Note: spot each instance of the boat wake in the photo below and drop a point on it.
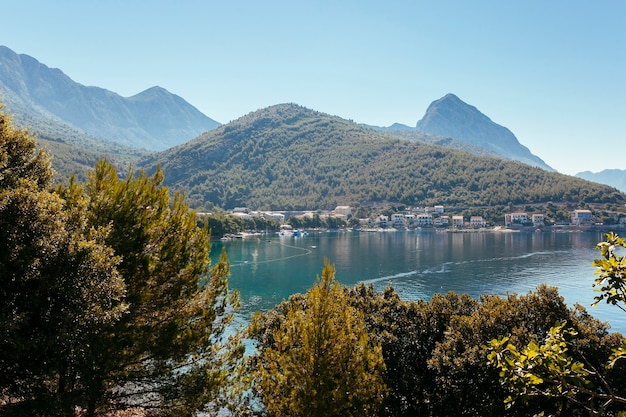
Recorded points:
(304, 252)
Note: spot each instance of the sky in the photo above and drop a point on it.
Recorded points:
(553, 72)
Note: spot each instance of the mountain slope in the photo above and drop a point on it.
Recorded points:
(613, 177)
(451, 117)
(289, 157)
(73, 152)
(153, 119)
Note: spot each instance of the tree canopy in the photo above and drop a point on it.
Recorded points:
(320, 361)
(107, 296)
(287, 157)
(560, 365)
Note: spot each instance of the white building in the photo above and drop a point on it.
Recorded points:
(515, 218)
(538, 219)
(397, 221)
(457, 221)
(582, 217)
(409, 219)
(477, 222)
(441, 221)
(279, 217)
(343, 211)
(424, 219)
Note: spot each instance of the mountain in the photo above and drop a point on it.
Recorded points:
(416, 136)
(613, 177)
(73, 151)
(451, 117)
(288, 157)
(154, 119)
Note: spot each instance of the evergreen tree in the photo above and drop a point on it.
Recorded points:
(169, 352)
(58, 284)
(107, 296)
(321, 361)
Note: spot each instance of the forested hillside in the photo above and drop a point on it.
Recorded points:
(290, 157)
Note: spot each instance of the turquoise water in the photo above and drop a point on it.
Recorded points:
(267, 269)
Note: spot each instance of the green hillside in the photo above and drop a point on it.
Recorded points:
(73, 152)
(289, 157)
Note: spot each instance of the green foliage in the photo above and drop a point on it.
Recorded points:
(178, 307)
(316, 222)
(286, 157)
(59, 285)
(539, 370)
(73, 152)
(316, 358)
(434, 351)
(409, 332)
(550, 370)
(107, 297)
(18, 159)
(611, 280)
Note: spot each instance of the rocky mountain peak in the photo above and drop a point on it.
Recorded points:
(452, 117)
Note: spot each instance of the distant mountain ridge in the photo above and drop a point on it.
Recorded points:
(613, 177)
(464, 127)
(288, 157)
(450, 116)
(154, 119)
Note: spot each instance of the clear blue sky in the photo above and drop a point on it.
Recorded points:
(554, 72)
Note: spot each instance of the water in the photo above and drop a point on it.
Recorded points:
(418, 264)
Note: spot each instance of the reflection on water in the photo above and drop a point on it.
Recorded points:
(419, 264)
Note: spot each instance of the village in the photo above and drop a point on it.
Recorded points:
(436, 218)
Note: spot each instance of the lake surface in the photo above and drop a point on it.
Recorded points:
(268, 269)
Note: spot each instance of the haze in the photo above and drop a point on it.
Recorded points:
(551, 72)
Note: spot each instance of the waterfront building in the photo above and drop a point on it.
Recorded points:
(458, 222)
(582, 218)
(518, 218)
(477, 222)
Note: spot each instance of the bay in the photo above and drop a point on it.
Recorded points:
(268, 269)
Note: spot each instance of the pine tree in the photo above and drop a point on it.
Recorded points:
(107, 296)
(169, 352)
(58, 284)
(321, 361)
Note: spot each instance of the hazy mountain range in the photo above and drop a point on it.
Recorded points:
(285, 155)
(154, 119)
(613, 177)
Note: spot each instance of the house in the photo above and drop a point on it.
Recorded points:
(343, 211)
(366, 222)
(382, 221)
(424, 220)
(477, 222)
(538, 220)
(515, 218)
(457, 221)
(410, 220)
(441, 221)
(582, 217)
(279, 217)
(397, 221)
